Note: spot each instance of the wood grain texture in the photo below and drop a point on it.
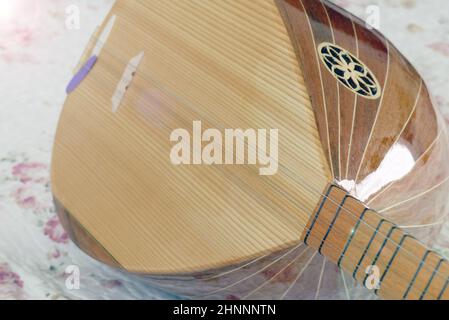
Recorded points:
(228, 64)
(391, 154)
(356, 238)
(358, 114)
(259, 65)
(82, 238)
(358, 132)
(392, 150)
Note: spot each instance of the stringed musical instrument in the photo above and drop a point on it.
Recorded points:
(358, 182)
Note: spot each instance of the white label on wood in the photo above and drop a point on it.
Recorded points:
(125, 81)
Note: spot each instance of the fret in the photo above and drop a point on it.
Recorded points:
(440, 296)
(333, 222)
(324, 217)
(422, 279)
(436, 287)
(359, 242)
(373, 247)
(342, 227)
(431, 279)
(356, 237)
(309, 228)
(353, 233)
(402, 272)
(421, 264)
(384, 244)
(390, 263)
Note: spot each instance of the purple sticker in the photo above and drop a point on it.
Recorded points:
(81, 75)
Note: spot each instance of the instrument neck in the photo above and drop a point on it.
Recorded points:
(375, 251)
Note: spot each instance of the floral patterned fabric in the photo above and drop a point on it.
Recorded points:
(37, 55)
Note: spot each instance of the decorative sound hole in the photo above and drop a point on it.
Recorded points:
(350, 71)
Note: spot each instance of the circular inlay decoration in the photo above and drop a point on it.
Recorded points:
(350, 71)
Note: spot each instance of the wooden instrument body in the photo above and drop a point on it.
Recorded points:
(241, 64)
(388, 152)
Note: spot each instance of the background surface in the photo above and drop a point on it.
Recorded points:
(37, 56)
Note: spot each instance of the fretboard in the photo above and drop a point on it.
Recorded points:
(375, 251)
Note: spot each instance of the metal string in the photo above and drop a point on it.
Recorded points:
(184, 102)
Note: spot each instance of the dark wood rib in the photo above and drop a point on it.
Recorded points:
(82, 238)
(427, 140)
(298, 23)
(403, 116)
(352, 35)
(427, 172)
(400, 96)
(322, 31)
(345, 36)
(374, 52)
(378, 123)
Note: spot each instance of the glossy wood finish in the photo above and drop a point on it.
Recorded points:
(389, 152)
(82, 238)
(356, 132)
(251, 64)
